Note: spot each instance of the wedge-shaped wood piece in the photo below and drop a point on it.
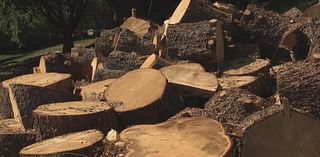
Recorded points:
(84, 143)
(154, 60)
(95, 91)
(195, 81)
(56, 81)
(251, 67)
(13, 138)
(25, 98)
(142, 96)
(192, 11)
(186, 137)
(139, 26)
(60, 118)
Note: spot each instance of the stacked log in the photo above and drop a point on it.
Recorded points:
(56, 119)
(83, 143)
(178, 137)
(95, 91)
(142, 96)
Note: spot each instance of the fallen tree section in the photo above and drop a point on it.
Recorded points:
(179, 137)
(55, 119)
(83, 143)
(25, 98)
(13, 138)
(142, 96)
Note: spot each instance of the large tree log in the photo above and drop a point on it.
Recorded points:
(120, 60)
(178, 137)
(25, 98)
(300, 83)
(13, 138)
(62, 82)
(55, 119)
(250, 67)
(197, 82)
(83, 143)
(95, 91)
(142, 96)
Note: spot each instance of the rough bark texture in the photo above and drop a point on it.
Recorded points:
(300, 83)
(95, 115)
(103, 74)
(81, 59)
(29, 98)
(120, 60)
(189, 41)
(127, 41)
(12, 139)
(5, 107)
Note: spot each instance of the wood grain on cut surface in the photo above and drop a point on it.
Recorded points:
(250, 67)
(81, 143)
(186, 137)
(95, 90)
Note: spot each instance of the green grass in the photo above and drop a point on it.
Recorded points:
(21, 63)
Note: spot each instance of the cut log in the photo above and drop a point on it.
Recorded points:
(56, 119)
(83, 143)
(5, 107)
(139, 26)
(120, 60)
(128, 42)
(187, 66)
(13, 138)
(313, 11)
(104, 74)
(95, 91)
(316, 56)
(251, 67)
(55, 62)
(154, 60)
(56, 81)
(300, 83)
(245, 82)
(197, 82)
(142, 96)
(25, 98)
(179, 137)
(189, 41)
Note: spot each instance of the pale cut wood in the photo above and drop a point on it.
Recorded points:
(194, 81)
(187, 66)
(36, 70)
(187, 137)
(25, 98)
(94, 66)
(139, 26)
(13, 138)
(95, 91)
(244, 82)
(152, 60)
(56, 81)
(84, 143)
(316, 56)
(142, 96)
(251, 67)
(55, 119)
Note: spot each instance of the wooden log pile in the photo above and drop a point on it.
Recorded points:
(211, 81)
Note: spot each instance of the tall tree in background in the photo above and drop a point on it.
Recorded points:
(65, 15)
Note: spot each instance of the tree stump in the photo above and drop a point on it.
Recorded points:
(197, 82)
(25, 98)
(56, 81)
(95, 91)
(142, 96)
(179, 137)
(55, 119)
(84, 143)
(13, 138)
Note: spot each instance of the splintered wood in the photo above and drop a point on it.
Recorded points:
(83, 143)
(186, 137)
(55, 119)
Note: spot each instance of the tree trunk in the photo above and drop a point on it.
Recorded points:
(67, 41)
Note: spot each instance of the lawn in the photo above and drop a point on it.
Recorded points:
(22, 63)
